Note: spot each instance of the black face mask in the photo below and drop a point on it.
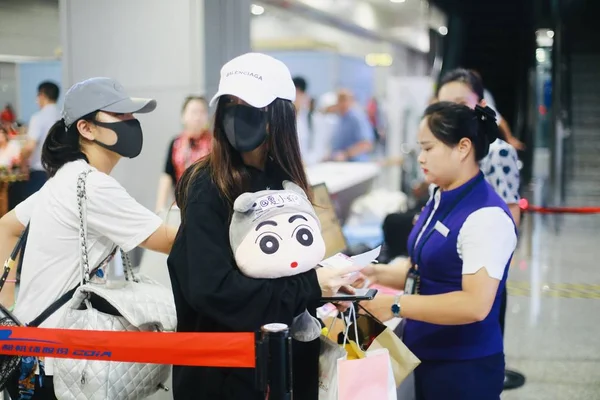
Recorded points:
(245, 127)
(129, 137)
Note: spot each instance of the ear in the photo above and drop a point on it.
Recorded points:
(86, 129)
(464, 147)
(289, 185)
(483, 103)
(244, 202)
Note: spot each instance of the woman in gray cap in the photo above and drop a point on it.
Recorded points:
(97, 129)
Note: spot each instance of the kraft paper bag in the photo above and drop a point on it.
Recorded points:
(374, 335)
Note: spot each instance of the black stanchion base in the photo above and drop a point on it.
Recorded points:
(513, 380)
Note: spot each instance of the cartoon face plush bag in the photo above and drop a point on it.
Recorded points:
(276, 234)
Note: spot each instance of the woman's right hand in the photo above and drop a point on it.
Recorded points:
(331, 279)
(368, 276)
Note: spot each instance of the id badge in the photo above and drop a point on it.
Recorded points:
(411, 285)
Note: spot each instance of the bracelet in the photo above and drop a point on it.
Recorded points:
(11, 281)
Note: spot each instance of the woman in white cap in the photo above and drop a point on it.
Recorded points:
(255, 147)
(97, 129)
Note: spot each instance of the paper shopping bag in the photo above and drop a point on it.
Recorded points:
(391, 385)
(370, 377)
(375, 335)
(331, 352)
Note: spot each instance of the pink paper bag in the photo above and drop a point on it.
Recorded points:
(367, 378)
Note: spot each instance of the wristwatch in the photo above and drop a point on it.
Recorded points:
(396, 307)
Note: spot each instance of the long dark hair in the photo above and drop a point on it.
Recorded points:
(226, 167)
(63, 145)
(450, 122)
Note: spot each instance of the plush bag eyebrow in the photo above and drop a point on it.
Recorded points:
(265, 223)
(295, 217)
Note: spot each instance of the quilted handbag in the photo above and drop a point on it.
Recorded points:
(139, 304)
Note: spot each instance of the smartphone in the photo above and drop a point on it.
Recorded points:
(358, 295)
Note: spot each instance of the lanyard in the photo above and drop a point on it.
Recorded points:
(413, 277)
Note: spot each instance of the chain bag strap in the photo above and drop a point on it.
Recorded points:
(128, 267)
(86, 273)
(84, 262)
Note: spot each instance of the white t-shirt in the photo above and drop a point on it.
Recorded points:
(51, 263)
(501, 170)
(38, 129)
(487, 239)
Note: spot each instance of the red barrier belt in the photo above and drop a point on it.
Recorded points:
(563, 210)
(193, 349)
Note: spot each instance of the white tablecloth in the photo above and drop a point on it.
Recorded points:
(339, 176)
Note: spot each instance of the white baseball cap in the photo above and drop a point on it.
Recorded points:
(256, 78)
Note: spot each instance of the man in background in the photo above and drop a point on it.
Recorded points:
(303, 123)
(353, 139)
(39, 125)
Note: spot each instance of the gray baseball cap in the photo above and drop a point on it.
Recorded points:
(101, 94)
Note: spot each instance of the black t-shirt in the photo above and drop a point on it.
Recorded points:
(212, 295)
(169, 167)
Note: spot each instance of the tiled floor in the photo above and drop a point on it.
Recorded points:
(552, 329)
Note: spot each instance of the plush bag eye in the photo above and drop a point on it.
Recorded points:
(304, 237)
(269, 244)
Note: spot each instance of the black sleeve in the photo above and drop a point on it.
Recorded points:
(212, 284)
(169, 167)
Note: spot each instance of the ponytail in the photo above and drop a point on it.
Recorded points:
(62, 145)
(450, 122)
(487, 131)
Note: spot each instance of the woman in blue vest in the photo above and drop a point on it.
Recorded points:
(460, 249)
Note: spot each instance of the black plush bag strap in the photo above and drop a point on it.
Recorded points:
(20, 262)
(18, 249)
(10, 263)
(52, 308)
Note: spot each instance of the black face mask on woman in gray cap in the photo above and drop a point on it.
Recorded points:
(129, 137)
(105, 94)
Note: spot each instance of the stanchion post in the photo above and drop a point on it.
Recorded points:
(276, 338)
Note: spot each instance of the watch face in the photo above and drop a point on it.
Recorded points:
(395, 309)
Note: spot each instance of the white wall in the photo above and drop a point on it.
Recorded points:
(8, 84)
(155, 49)
(29, 27)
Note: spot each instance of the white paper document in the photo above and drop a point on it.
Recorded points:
(359, 260)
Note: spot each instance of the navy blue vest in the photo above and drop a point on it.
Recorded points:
(440, 268)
